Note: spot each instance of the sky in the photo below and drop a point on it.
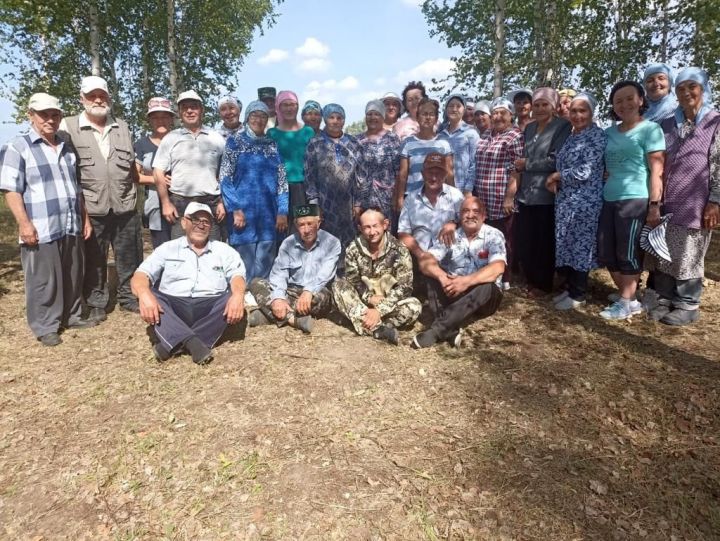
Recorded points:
(348, 52)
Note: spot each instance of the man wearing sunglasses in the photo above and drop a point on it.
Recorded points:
(190, 289)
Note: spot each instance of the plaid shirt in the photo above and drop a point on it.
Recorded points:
(48, 182)
(495, 160)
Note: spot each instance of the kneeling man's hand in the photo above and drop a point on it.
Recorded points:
(234, 309)
(150, 308)
(280, 309)
(302, 306)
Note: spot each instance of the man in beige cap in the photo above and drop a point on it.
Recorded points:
(193, 153)
(38, 178)
(108, 175)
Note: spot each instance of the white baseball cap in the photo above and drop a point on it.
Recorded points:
(194, 207)
(159, 104)
(188, 95)
(43, 102)
(93, 82)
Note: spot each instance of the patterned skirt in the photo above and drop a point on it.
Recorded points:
(687, 249)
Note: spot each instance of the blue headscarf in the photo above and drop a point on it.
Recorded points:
(659, 110)
(311, 105)
(700, 76)
(254, 107)
(331, 108)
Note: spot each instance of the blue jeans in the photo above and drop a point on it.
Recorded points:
(258, 259)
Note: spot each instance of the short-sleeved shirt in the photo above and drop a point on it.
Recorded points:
(415, 150)
(193, 159)
(466, 256)
(46, 179)
(186, 274)
(626, 160)
(423, 221)
(292, 145)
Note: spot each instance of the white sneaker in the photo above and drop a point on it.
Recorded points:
(568, 303)
(636, 307)
(557, 298)
(250, 300)
(622, 310)
(506, 286)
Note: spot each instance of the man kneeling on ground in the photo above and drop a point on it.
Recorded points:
(376, 292)
(464, 278)
(296, 290)
(201, 290)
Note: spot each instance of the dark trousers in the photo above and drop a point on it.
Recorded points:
(124, 233)
(449, 314)
(217, 231)
(159, 237)
(261, 290)
(506, 226)
(683, 294)
(576, 282)
(53, 284)
(185, 317)
(535, 244)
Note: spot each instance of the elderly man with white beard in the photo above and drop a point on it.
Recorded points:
(105, 157)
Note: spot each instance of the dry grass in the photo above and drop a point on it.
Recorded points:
(547, 426)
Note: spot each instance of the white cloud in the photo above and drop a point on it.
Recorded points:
(314, 65)
(348, 83)
(273, 56)
(438, 68)
(412, 3)
(313, 48)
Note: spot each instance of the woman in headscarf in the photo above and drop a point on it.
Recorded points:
(393, 109)
(416, 147)
(380, 161)
(332, 173)
(535, 220)
(229, 109)
(522, 102)
(578, 185)
(692, 197)
(463, 139)
(566, 96)
(482, 119)
(411, 96)
(160, 117)
(495, 175)
(658, 83)
(292, 139)
(312, 115)
(255, 193)
(634, 158)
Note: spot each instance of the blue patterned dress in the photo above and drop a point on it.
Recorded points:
(581, 164)
(333, 180)
(381, 162)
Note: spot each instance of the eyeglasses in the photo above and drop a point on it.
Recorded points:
(202, 223)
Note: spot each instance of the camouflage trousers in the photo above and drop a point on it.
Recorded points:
(349, 303)
(261, 290)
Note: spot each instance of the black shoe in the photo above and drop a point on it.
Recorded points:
(82, 324)
(680, 317)
(256, 318)
(97, 314)
(50, 339)
(387, 333)
(131, 307)
(161, 354)
(424, 339)
(304, 323)
(659, 312)
(201, 354)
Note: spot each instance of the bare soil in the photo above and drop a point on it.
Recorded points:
(545, 426)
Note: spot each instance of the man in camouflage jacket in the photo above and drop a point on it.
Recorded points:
(375, 294)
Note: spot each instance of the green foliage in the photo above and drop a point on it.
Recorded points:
(356, 128)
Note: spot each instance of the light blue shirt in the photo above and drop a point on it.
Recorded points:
(186, 274)
(415, 150)
(423, 221)
(310, 269)
(464, 142)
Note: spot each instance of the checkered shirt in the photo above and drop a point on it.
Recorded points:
(494, 161)
(47, 180)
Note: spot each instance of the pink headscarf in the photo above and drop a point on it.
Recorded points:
(284, 95)
(548, 94)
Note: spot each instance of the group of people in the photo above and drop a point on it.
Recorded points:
(278, 219)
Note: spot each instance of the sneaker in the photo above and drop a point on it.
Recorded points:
(201, 354)
(659, 312)
(557, 298)
(679, 317)
(388, 334)
(456, 339)
(568, 303)
(303, 323)
(97, 314)
(50, 339)
(636, 307)
(617, 310)
(424, 339)
(161, 354)
(506, 286)
(257, 318)
(250, 301)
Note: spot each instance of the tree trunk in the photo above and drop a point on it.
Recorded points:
(664, 32)
(171, 49)
(94, 38)
(500, 6)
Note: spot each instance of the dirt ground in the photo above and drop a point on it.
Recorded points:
(545, 426)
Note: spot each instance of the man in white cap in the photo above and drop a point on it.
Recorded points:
(39, 180)
(193, 153)
(106, 162)
(190, 289)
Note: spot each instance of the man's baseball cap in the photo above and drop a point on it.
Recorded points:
(93, 82)
(194, 207)
(43, 102)
(188, 95)
(434, 160)
(159, 104)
